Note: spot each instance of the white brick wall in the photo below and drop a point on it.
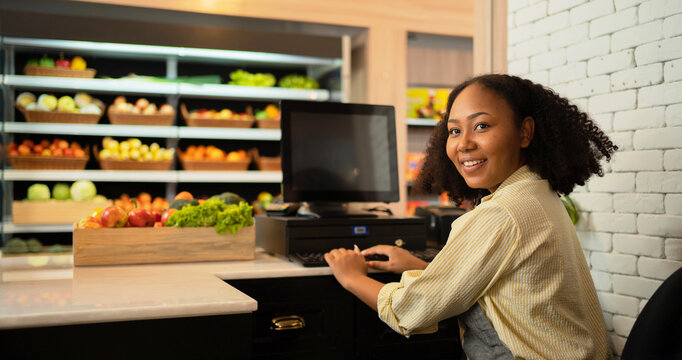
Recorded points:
(639, 119)
(620, 61)
(650, 246)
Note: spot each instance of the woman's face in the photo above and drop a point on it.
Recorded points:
(484, 142)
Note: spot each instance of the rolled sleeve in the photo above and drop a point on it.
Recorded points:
(476, 255)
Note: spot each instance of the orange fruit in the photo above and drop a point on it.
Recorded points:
(184, 195)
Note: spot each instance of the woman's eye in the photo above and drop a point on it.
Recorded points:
(482, 126)
(454, 131)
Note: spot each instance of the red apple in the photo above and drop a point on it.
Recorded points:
(114, 216)
(24, 149)
(167, 214)
(158, 224)
(140, 218)
(156, 214)
(38, 148)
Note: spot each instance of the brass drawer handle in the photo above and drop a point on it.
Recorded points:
(289, 322)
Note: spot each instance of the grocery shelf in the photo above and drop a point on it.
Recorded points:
(252, 176)
(146, 176)
(93, 175)
(92, 130)
(182, 132)
(10, 227)
(421, 122)
(116, 50)
(128, 86)
(190, 132)
(251, 92)
(131, 86)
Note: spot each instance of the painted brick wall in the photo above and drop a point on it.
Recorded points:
(620, 61)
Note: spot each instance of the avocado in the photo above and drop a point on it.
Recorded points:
(34, 245)
(229, 198)
(180, 203)
(15, 246)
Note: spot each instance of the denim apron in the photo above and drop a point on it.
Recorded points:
(479, 338)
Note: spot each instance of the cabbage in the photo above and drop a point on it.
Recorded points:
(38, 192)
(83, 190)
(61, 191)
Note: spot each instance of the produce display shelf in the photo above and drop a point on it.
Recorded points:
(130, 86)
(93, 175)
(11, 228)
(92, 130)
(249, 176)
(189, 132)
(127, 86)
(116, 50)
(421, 122)
(252, 176)
(251, 92)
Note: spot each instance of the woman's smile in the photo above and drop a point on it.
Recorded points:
(484, 141)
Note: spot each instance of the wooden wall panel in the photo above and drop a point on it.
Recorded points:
(438, 67)
(446, 17)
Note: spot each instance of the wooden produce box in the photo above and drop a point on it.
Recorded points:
(53, 211)
(119, 246)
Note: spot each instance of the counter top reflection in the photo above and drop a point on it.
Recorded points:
(38, 291)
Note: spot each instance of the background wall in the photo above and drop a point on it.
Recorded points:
(621, 61)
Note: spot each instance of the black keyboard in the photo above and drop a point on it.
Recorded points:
(317, 259)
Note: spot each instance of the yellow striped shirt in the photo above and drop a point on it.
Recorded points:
(516, 254)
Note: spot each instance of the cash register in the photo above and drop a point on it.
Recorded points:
(340, 160)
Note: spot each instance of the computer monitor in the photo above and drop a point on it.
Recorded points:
(337, 153)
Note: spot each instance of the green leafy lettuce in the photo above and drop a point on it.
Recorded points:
(214, 212)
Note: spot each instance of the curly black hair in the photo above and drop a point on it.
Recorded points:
(565, 150)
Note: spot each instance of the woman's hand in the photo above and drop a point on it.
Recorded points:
(346, 265)
(399, 259)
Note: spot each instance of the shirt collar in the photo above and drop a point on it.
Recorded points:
(521, 174)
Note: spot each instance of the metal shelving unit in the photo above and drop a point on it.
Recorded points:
(171, 89)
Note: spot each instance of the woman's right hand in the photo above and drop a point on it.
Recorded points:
(399, 259)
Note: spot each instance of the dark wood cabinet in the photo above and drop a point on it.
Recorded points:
(337, 325)
(203, 337)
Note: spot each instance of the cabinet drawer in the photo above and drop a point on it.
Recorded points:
(376, 340)
(323, 305)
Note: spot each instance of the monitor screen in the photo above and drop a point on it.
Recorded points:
(338, 153)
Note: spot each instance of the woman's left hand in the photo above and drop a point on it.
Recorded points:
(346, 265)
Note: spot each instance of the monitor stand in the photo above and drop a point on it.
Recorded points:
(335, 210)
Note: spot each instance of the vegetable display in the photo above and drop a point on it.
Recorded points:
(295, 81)
(214, 212)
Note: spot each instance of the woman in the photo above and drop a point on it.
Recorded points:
(512, 270)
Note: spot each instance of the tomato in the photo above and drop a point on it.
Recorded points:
(97, 213)
(184, 195)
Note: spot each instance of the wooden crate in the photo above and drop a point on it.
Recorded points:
(203, 122)
(119, 246)
(119, 118)
(53, 211)
(37, 162)
(36, 70)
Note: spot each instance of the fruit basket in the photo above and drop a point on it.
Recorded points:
(115, 164)
(38, 162)
(53, 211)
(119, 118)
(213, 165)
(36, 70)
(145, 245)
(266, 163)
(267, 124)
(58, 117)
(209, 122)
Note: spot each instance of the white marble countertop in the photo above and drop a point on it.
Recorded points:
(46, 290)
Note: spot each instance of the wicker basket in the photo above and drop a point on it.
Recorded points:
(58, 117)
(267, 124)
(36, 70)
(118, 118)
(200, 122)
(37, 162)
(213, 165)
(112, 164)
(266, 163)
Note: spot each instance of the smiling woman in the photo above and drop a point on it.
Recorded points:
(512, 270)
